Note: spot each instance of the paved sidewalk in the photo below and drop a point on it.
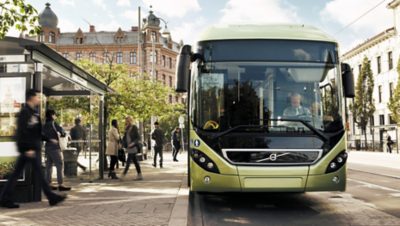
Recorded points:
(113, 202)
(375, 162)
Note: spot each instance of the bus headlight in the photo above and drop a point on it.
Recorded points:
(337, 162)
(204, 161)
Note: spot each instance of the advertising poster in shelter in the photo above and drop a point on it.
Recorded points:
(12, 97)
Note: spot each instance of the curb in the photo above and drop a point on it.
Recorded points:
(179, 215)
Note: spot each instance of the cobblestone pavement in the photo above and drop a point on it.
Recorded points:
(110, 202)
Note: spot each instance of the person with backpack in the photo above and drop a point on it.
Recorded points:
(389, 144)
(176, 143)
(158, 136)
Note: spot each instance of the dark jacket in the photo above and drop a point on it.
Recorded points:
(29, 130)
(77, 133)
(176, 139)
(134, 135)
(50, 133)
(158, 137)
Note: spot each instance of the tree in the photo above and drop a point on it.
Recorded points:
(138, 96)
(363, 107)
(394, 101)
(20, 15)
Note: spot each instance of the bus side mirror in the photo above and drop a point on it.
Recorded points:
(183, 69)
(348, 81)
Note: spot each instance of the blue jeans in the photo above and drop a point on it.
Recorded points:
(132, 158)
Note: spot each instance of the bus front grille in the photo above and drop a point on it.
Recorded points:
(272, 156)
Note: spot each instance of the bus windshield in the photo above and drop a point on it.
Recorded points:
(276, 95)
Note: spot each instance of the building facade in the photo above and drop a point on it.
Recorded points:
(149, 49)
(383, 52)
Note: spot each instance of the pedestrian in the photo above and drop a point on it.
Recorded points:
(131, 143)
(389, 144)
(52, 133)
(158, 136)
(78, 138)
(29, 142)
(113, 146)
(176, 143)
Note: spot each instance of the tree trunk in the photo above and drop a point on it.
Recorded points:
(365, 138)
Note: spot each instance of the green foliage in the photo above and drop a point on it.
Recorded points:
(168, 122)
(20, 15)
(7, 165)
(363, 107)
(394, 102)
(138, 96)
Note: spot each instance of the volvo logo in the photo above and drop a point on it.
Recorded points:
(273, 157)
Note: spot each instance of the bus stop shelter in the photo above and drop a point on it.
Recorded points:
(26, 64)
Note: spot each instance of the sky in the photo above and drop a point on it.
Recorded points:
(187, 18)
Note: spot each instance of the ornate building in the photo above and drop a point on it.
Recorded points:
(382, 50)
(150, 50)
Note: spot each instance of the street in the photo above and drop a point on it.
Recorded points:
(371, 198)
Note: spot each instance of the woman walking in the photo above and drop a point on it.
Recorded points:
(131, 142)
(52, 133)
(112, 147)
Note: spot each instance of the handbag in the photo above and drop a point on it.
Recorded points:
(121, 151)
(62, 141)
(121, 155)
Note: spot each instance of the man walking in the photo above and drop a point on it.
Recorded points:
(158, 137)
(389, 144)
(29, 142)
(176, 143)
(78, 137)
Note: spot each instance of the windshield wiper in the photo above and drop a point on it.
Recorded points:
(308, 125)
(304, 122)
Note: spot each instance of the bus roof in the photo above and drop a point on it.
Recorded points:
(273, 31)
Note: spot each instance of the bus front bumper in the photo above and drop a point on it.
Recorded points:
(274, 179)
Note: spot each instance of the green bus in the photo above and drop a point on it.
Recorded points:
(265, 109)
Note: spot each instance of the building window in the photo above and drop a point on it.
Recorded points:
(382, 120)
(41, 37)
(79, 40)
(133, 58)
(119, 58)
(65, 55)
(378, 63)
(105, 57)
(92, 56)
(391, 120)
(170, 62)
(380, 94)
(153, 57)
(163, 63)
(170, 81)
(78, 56)
(156, 74)
(390, 89)
(52, 37)
(176, 99)
(390, 60)
(164, 80)
(170, 99)
(153, 36)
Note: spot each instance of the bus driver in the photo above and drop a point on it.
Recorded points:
(295, 108)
